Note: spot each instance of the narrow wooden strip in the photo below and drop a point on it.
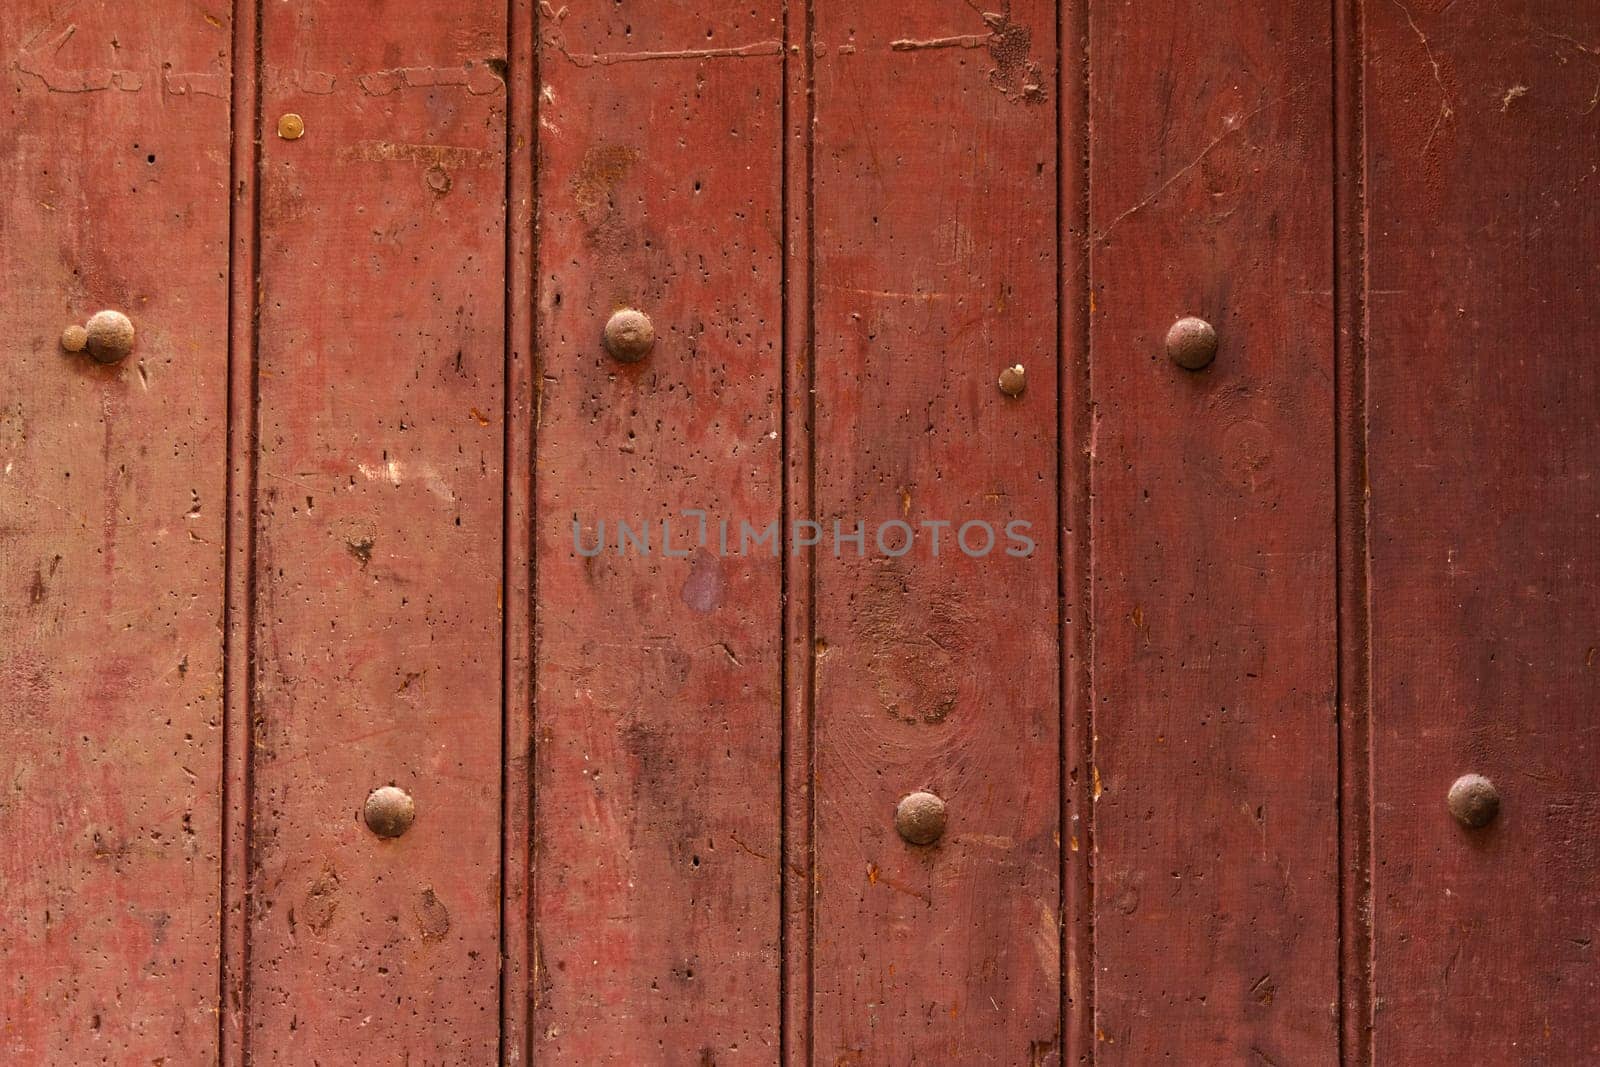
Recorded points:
(799, 374)
(1354, 624)
(1076, 437)
(239, 612)
(521, 397)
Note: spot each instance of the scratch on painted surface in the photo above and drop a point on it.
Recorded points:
(876, 876)
(602, 59)
(1010, 45)
(966, 40)
(1446, 112)
(1592, 53)
(288, 79)
(477, 78)
(436, 155)
(30, 61)
(1231, 125)
(197, 84)
(894, 294)
(557, 40)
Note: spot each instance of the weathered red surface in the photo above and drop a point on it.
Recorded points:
(378, 639)
(658, 715)
(1215, 827)
(935, 268)
(656, 793)
(1485, 510)
(113, 194)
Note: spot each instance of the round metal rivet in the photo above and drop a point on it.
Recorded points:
(1191, 343)
(1013, 381)
(629, 336)
(1474, 800)
(73, 338)
(291, 127)
(920, 818)
(389, 811)
(108, 336)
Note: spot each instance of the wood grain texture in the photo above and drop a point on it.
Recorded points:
(1214, 660)
(238, 669)
(113, 194)
(1075, 449)
(1195, 746)
(1350, 536)
(657, 776)
(521, 391)
(935, 215)
(1484, 379)
(799, 647)
(381, 366)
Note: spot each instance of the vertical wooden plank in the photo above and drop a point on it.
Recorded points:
(935, 183)
(114, 185)
(1484, 379)
(658, 676)
(1216, 897)
(381, 364)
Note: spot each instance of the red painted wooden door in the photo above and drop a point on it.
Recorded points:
(657, 533)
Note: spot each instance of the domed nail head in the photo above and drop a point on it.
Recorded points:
(1192, 343)
(1013, 380)
(108, 336)
(389, 811)
(629, 335)
(1474, 800)
(920, 818)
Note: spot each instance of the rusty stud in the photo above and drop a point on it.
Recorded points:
(73, 338)
(1474, 800)
(1013, 381)
(629, 336)
(1191, 343)
(920, 818)
(291, 127)
(389, 811)
(108, 336)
